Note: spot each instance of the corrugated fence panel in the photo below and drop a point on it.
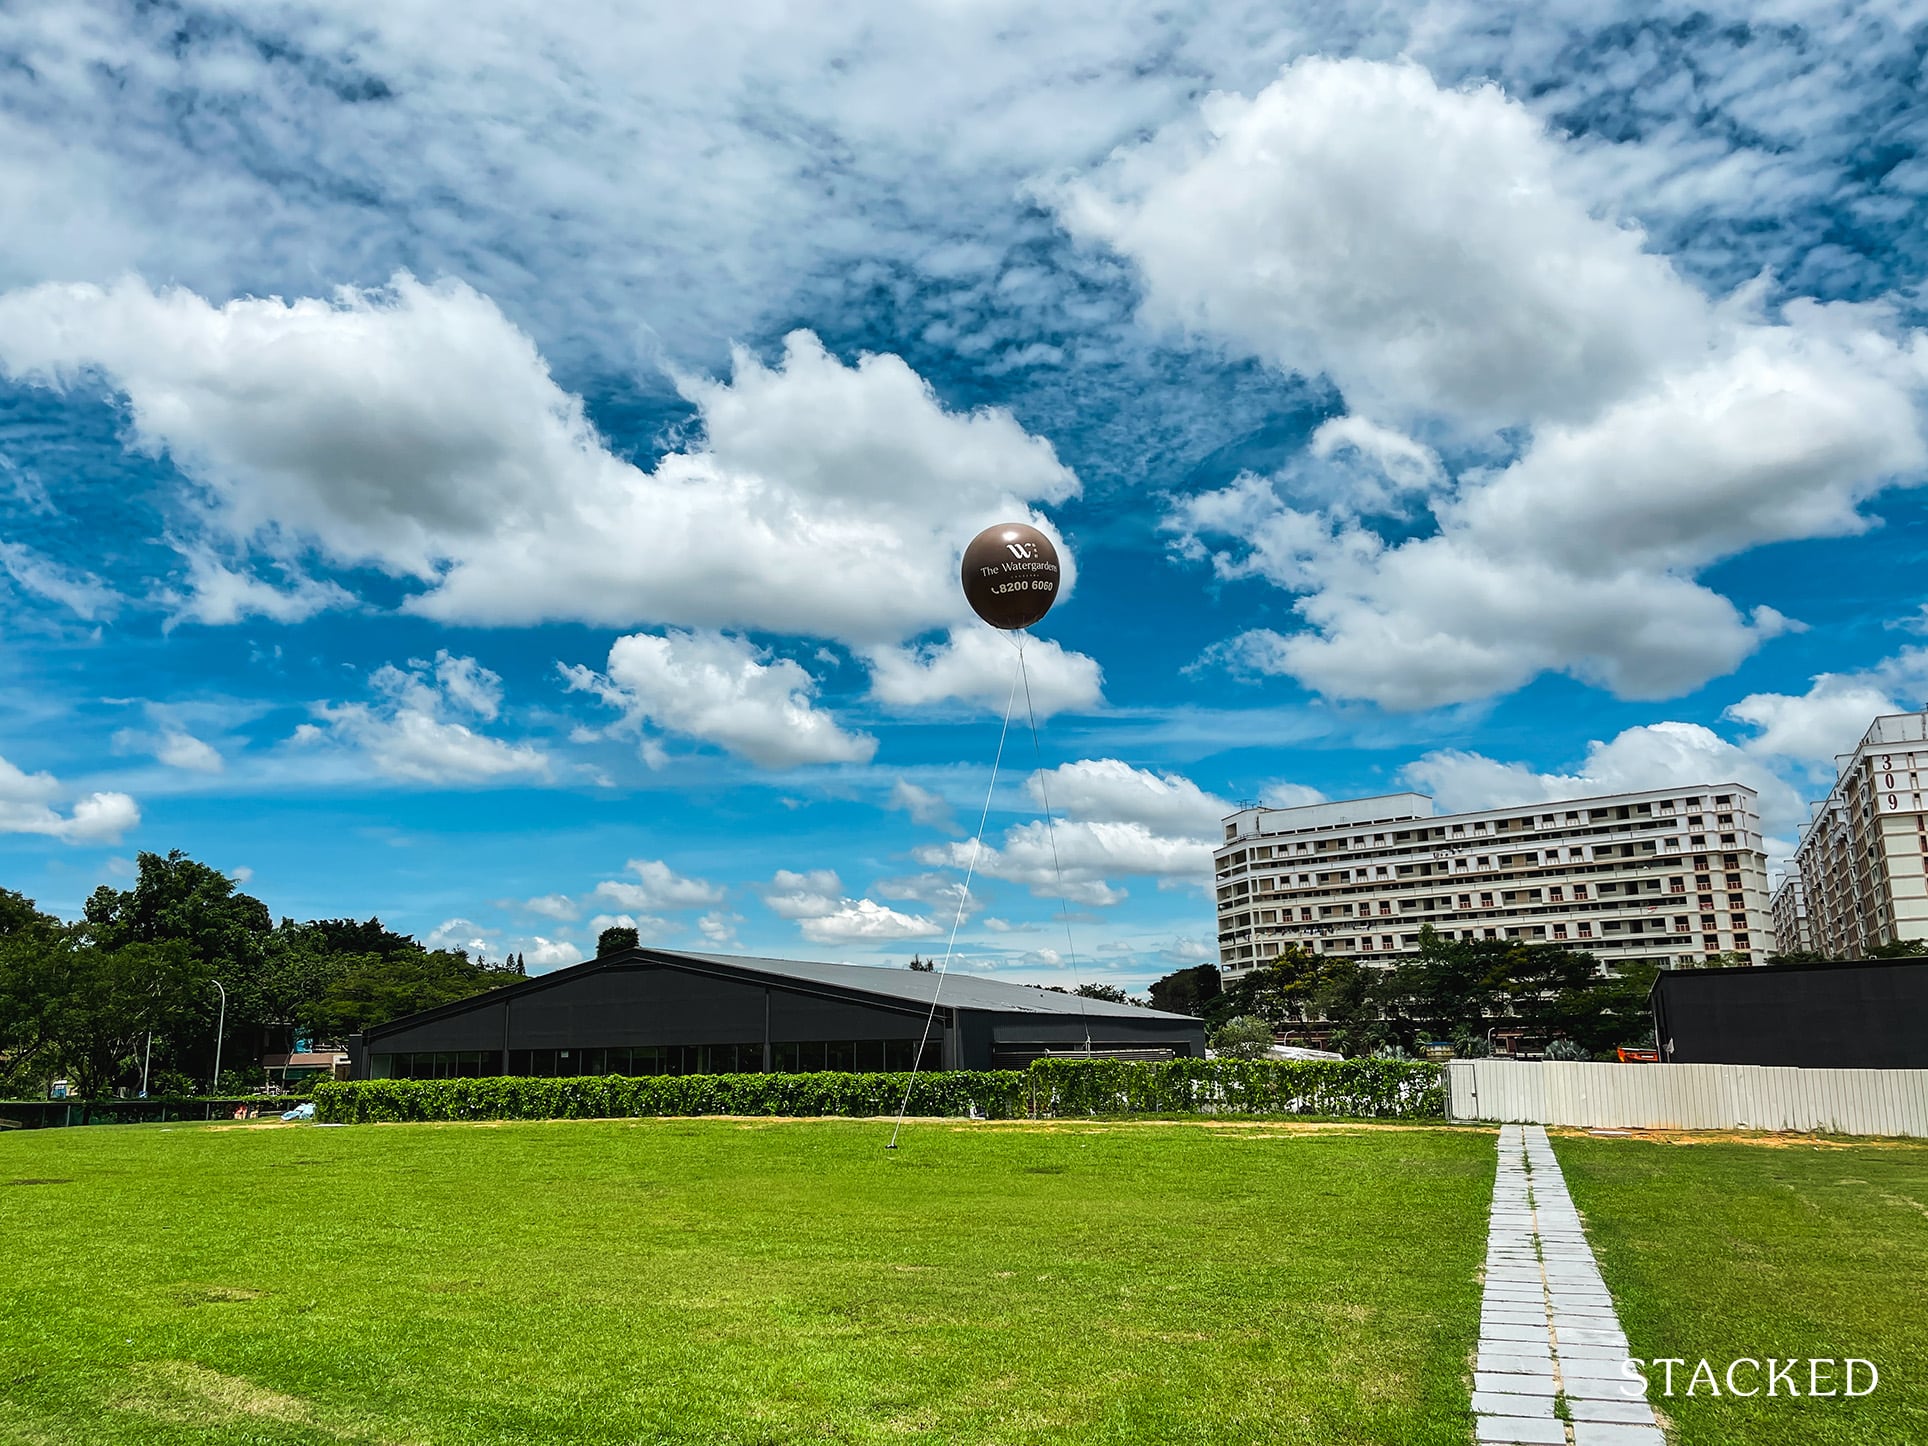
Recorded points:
(1690, 1096)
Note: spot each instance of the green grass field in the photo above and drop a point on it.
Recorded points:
(724, 1281)
(1723, 1250)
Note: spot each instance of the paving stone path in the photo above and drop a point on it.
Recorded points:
(1550, 1345)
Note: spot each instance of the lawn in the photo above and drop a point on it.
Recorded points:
(697, 1281)
(1722, 1250)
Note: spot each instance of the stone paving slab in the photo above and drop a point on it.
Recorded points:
(1511, 1403)
(1625, 1413)
(1600, 1433)
(1513, 1384)
(1534, 1430)
(1547, 1324)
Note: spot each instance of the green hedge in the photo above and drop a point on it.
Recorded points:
(1359, 1088)
(1002, 1095)
(1375, 1089)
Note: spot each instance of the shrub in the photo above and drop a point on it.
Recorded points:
(1372, 1089)
(1365, 1088)
(1002, 1094)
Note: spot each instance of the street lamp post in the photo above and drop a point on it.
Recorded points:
(220, 1028)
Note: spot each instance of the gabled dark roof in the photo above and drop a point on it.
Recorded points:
(903, 987)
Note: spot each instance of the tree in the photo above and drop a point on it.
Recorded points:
(1111, 993)
(178, 900)
(1344, 1000)
(921, 966)
(374, 989)
(1243, 1037)
(102, 1002)
(615, 939)
(1279, 991)
(1187, 991)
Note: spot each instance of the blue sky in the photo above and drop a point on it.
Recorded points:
(509, 476)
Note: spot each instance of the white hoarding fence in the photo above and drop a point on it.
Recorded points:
(1690, 1096)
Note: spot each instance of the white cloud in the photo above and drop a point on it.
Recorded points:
(82, 594)
(722, 690)
(1422, 246)
(816, 902)
(184, 750)
(416, 430)
(1833, 714)
(546, 954)
(979, 665)
(1117, 820)
(854, 920)
(29, 804)
(1081, 855)
(1459, 278)
(1112, 790)
(658, 887)
(559, 907)
(406, 736)
(459, 933)
(1282, 794)
(650, 929)
(218, 595)
(173, 746)
(794, 895)
(718, 928)
(923, 806)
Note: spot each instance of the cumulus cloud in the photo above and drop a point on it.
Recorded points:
(658, 886)
(923, 806)
(718, 928)
(1117, 820)
(1426, 249)
(407, 734)
(1419, 245)
(542, 955)
(978, 666)
(29, 803)
(816, 902)
(459, 933)
(559, 907)
(1108, 788)
(1835, 711)
(417, 431)
(650, 928)
(722, 690)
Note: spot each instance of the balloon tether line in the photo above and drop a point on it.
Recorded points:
(963, 902)
(1051, 833)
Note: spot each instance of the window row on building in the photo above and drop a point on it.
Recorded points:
(1671, 876)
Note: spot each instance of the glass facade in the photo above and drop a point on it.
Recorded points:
(858, 1056)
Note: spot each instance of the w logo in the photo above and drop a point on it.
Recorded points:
(1023, 550)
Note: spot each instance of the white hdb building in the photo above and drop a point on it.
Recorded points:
(1672, 876)
(1860, 875)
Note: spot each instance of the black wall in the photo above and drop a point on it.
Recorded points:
(632, 1004)
(1871, 1015)
(652, 1003)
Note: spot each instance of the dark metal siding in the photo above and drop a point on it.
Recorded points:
(1838, 1016)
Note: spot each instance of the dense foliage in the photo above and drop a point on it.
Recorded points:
(83, 999)
(1001, 1094)
(1449, 989)
(1372, 1089)
(1356, 1088)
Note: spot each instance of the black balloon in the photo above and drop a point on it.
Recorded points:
(1011, 575)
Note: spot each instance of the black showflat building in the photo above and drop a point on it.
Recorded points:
(659, 1011)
